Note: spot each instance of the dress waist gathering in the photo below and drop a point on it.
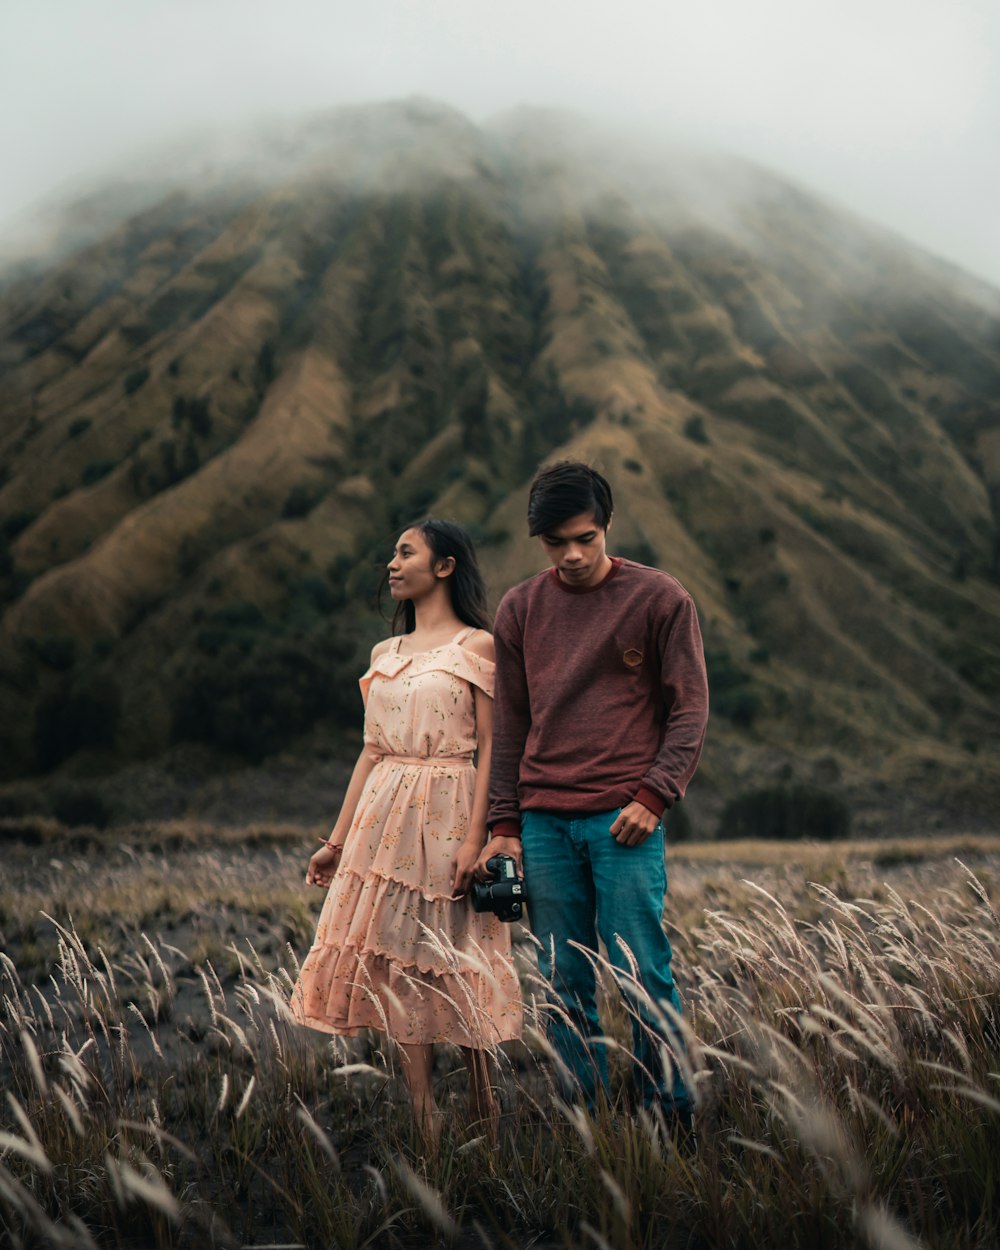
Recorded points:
(425, 760)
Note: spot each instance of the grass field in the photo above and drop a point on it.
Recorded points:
(843, 1015)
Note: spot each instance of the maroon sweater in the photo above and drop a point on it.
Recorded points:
(601, 695)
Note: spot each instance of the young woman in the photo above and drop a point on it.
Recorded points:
(398, 948)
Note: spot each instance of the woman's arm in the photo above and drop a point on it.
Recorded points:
(484, 756)
(467, 854)
(324, 862)
(365, 763)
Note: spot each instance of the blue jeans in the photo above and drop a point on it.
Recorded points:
(580, 883)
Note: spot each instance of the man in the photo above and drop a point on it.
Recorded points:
(600, 713)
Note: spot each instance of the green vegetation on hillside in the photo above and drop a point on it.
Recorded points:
(231, 402)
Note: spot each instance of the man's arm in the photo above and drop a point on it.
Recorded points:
(684, 683)
(511, 722)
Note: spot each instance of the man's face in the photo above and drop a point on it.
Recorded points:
(577, 550)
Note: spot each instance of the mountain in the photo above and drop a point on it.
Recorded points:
(216, 413)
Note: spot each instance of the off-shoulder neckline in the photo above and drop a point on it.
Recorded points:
(457, 641)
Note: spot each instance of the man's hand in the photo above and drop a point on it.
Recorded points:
(498, 846)
(634, 825)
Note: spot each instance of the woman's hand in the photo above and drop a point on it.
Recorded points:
(463, 864)
(323, 865)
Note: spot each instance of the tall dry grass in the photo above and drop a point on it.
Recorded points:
(845, 1046)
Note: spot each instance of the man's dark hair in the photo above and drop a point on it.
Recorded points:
(563, 490)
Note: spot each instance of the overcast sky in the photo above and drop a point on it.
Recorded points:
(891, 106)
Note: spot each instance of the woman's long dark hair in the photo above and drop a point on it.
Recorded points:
(468, 590)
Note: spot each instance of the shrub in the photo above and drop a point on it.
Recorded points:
(255, 706)
(785, 812)
(22, 801)
(240, 613)
(265, 365)
(58, 652)
(73, 718)
(235, 627)
(640, 551)
(80, 426)
(694, 429)
(20, 580)
(135, 379)
(300, 502)
(80, 805)
(678, 825)
(742, 705)
(730, 690)
(96, 470)
(310, 598)
(195, 412)
(17, 523)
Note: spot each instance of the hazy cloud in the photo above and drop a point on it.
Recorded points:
(889, 105)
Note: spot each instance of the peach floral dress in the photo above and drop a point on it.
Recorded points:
(394, 950)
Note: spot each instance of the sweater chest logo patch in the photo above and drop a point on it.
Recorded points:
(632, 657)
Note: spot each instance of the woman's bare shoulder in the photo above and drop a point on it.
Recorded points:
(381, 648)
(481, 643)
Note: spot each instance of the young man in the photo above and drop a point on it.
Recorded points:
(599, 718)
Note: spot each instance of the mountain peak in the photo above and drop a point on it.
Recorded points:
(214, 414)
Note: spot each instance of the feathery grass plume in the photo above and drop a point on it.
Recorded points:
(218, 984)
(758, 1147)
(245, 1099)
(358, 1069)
(29, 1146)
(34, 1062)
(160, 1136)
(598, 1238)
(659, 1020)
(168, 981)
(145, 1024)
(865, 1103)
(236, 1031)
(883, 1232)
(325, 1144)
(972, 1093)
(622, 1206)
(35, 1218)
(296, 966)
(577, 1116)
(427, 1198)
(921, 980)
(147, 1186)
(71, 1109)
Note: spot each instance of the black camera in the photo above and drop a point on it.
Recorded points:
(504, 895)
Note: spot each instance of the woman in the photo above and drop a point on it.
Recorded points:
(397, 948)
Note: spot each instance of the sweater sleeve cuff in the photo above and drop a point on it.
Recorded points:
(506, 829)
(650, 800)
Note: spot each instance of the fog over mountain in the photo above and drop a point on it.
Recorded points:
(892, 109)
(216, 414)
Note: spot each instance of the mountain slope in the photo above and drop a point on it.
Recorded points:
(214, 418)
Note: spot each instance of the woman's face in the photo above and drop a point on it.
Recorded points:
(412, 573)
